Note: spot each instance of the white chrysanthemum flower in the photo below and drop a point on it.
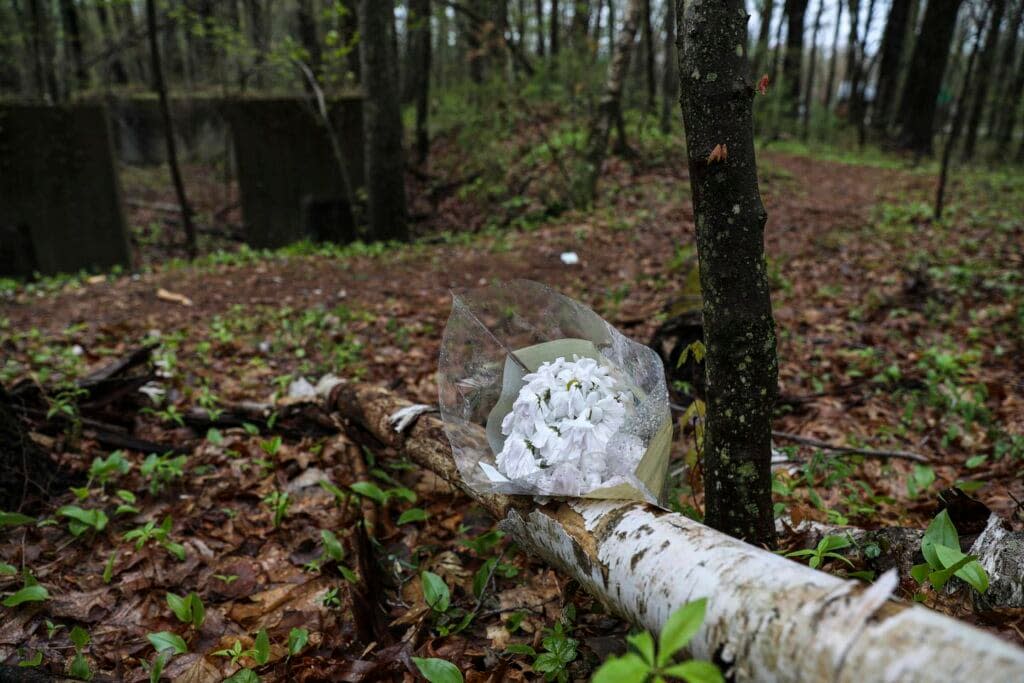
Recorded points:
(561, 423)
(515, 460)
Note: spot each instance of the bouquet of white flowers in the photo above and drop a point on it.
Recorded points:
(541, 396)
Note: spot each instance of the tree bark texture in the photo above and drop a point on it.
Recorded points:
(610, 107)
(650, 47)
(739, 330)
(891, 55)
(556, 20)
(382, 124)
(43, 50)
(768, 619)
(927, 66)
(986, 62)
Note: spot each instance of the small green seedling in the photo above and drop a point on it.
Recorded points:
(158, 534)
(944, 559)
(649, 662)
(188, 609)
(824, 551)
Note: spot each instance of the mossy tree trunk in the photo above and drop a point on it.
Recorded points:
(382, 124)
(741, 364)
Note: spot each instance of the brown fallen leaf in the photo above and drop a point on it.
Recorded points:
(173, 297)
(718, 154)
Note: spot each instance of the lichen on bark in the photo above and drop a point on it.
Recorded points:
(741, 364)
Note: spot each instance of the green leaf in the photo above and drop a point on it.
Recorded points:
(940, 532)
(15, 519)
(626, 669)
(644, 644)
(261, 654)
(34, 593)
(971, 571)
(975, 461)
(80, 668)
(7, 569)
(435, 591)
(830, 543)
(332, 546)
(156, 669)
(198, 611)
(371, 491)
(482, 575)
(95, 519)
(243, 676)
(919, 572)
(696, 671)
(79, 636)
(108, 568)
(412, 515)
(176, 549)
(681, 626)
(438, 670)
(35, 661)
(521, 649)
(180, 606)
(297, 639)
(165, 640)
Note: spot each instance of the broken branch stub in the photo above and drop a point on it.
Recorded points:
(768, 619)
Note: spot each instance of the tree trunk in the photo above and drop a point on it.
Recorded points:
(610, 108)
(611, 25)
(306, 20)
(670, 77)
(580, 27)
(556, 19)
(1012, 101)
(777, 53)
(889, 65)
(853, 60)
(114, 70)
(258, 36)
(768, 619)
(43, 50)
(986, 63)
(927, 66)
(830, 83)
(812, 68)
(165, 112)
(958, 120)
(652, 81)
(539, 12)
(863, 68)
(382, 124)
(73, 41)
(1003, 101)
(419, 75)
(124, 20)
(739, 330)
(763, 35)
(796, 11)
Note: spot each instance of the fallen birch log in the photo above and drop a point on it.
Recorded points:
(768, 619)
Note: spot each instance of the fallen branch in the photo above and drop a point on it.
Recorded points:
(769, 619)
(849, 450)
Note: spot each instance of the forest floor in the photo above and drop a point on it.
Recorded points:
(895, 332)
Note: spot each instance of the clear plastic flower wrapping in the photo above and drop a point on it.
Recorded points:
(600, 397)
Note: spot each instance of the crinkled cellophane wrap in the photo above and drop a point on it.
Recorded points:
(478, 382)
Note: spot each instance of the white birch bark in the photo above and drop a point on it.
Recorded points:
(768, 618)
